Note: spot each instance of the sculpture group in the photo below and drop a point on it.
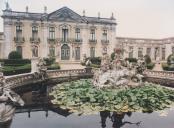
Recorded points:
(8, 100)
(118, 72)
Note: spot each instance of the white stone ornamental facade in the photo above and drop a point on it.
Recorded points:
(69, 37)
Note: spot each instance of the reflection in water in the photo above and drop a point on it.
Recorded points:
(117, 119)
(38, 101)
(6, 124)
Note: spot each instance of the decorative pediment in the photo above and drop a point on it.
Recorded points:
(66, 15)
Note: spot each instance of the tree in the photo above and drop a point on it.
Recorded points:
(14, 55)
(147, 59)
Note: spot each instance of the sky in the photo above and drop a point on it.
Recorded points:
(135, 18)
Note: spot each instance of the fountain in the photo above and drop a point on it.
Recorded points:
(8, 100)
(118, 72)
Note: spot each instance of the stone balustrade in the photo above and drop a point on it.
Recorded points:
(31, 78)
(159, 74)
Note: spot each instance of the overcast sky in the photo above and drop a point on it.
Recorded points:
(135, 18)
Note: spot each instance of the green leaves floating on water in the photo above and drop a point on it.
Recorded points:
(81, 97)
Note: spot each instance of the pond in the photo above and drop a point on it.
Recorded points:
(39, 113)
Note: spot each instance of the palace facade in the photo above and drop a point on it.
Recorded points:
(62, 34)
(157, 49)
(69, 37)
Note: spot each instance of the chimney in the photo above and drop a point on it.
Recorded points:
(83, 12)
(7, 7)
(112, 16)
(99, 15)
(26, 9)
(45, 9)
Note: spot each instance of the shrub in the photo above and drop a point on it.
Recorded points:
(95, 66)
(49, 61)
(113, 55)
(147, 59)
(95, 60)
(16, 62)
(14, 55)
(9, 70)
(150, 65)
(54, 66)
(170, 59)
(165, 66)
(131, 60)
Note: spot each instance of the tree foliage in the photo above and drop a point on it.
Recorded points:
(14, 55)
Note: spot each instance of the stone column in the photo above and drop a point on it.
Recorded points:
(44, 48)
(8, 42)
(34, 62)
(152, 53)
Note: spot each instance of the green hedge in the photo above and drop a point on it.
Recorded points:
(12, 70)
(15, 62)
(167, 67)
(150, 65)
(131, 60)
(53, 66)
(14, 55)
(113, 55)
(95, 66)
(49, 61)
(95, 60)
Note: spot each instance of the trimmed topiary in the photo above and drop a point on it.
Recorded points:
(14, 55)
(147, 59)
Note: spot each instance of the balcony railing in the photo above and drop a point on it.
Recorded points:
(19, 39)
(51, 40)
(78, 40)
(105, 41)
(92, 41)
(35, 40)
(69, 40)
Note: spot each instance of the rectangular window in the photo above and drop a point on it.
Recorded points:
(34, 32)
(77, 34)
(51, 33)
(140, 52)
(131, 52)
(52, 51)
(65, 34)
(148, 51)
(105, 35)
(92, 51)
(92, 34)
(18, 31)
(163, 53)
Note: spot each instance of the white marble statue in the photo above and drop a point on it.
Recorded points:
(8, 99)
(115, 73)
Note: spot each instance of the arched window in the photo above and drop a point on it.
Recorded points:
(65, 52)
(19, 49)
